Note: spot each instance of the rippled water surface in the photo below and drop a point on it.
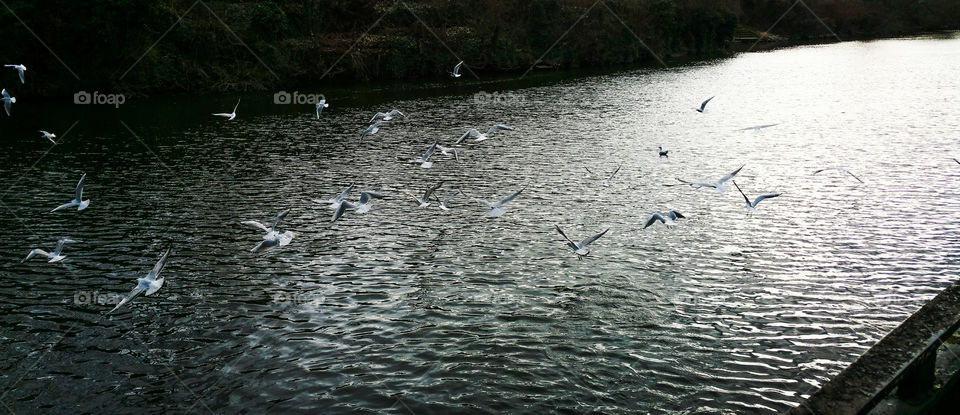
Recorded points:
(424, 311)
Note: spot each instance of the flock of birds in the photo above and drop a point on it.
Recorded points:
(273, 237)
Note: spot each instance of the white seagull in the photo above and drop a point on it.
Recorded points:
(320, 106)
(77, 198)
(752, 206)
(272, 237)
(423, 161)
(456, 70)
(362, 206)
(606, 182)
(373, 129)
(424, 200)
(229, 116)
(334, 202)
(448, 151)
(149, 284)
(839, 170)
(718, 185)
(20, 69)
(580, 248)
(669, 220)
(477, 136)
(387, 116)
(496, 208)
(703, 106)
(7, 100)
(663, 153)
(54, 256)
(49, 136)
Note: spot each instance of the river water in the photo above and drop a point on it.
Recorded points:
(409, 310)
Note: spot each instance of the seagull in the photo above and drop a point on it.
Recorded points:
(272, 238)
(20, 69)
(448, 151)
(362, 206)
(703, 106)
(149, 284)
(580, 248)
(717, 185)
(670, 220)
(7, 100)
(476, 136)
(77, 198)
(373, 129)
(606, 182)
(423, 160)
(839, 170)
(456, 70)
(231, 115)
(424, 201)
(757, 128)
(496, 209)
(443, 203)
(52, 256)
(49, 136)
(663, 153)
(320, 106)
(752, 206)
(387, 116)
(335, 201)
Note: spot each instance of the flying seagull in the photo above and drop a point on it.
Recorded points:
(320, 106)
(839, 170)
(229, 116)
(20, 69)
(149, 284)
(670, 220)
(752, 206)
(496, 208)
(387, 116)
(580, 248)
(423, 161)
(476, 136)
(757, 128)
(77, 198)
(717, 185)
(456, 70)
(448, 151)
(54, 256)
(7, 101)
(49, 136)
(272, 237)
(703, 106)
(663, 153)
(424, 200)
(334, 202)
(362, 206)
(373, 129)
(606, 182)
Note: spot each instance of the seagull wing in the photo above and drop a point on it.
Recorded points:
(133, 294)
(341, 208)
(742, 194)
(855, 177)
(589, 171)
(509, 198)
(615, 171)
(34, 253)
(653, 219)
(155, 272)
(430, 151)
(377, 115)
(472, 133)
(764, 197)
(569, 241)
(730, 176)
(426, 195)
(590, 240)
(499, 127)
(78, 193)
(456, 69)
(255, 224)
(703, 106)
(279, 218)
(236, 106)
(20, 70)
